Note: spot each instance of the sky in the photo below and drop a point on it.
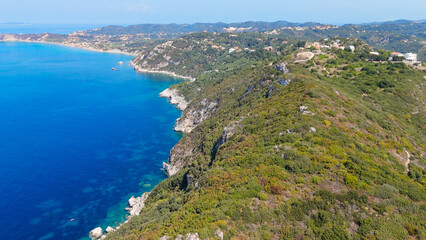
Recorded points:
(125, 12)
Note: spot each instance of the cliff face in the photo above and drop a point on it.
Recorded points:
(175, 98)
(195, 114)
(192, 115)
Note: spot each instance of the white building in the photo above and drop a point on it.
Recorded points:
(411, 57)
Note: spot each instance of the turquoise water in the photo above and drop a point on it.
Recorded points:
(76, 139)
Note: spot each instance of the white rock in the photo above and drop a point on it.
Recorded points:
(96, 233)
(132, 201)
(312, 129)
(192, 236)
(219, 234)
(175, 98)
(195, 115)
(170, 169)
(302, 108)
(136, 204)
(109, 229)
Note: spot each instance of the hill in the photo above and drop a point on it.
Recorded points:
(401, 36)
(173, 29)
(281, 143)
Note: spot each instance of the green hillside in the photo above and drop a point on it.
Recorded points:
(332, 149)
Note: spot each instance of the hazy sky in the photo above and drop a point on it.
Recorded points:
(190, 11)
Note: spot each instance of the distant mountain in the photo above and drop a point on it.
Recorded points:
(399, 21)
(249, 26)
(14, 23)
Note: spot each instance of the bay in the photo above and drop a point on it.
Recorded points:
(76, 139)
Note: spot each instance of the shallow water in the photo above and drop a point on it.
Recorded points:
(76, 139)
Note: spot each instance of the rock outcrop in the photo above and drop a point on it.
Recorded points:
(170, 169)
(109, 229)
(189, 236)
(180, 156)
(136, 204)
(175, 98)
(96, 233)
(219, 234)
(228, 132)
(282, 67)
(194, 115)
(192, 236)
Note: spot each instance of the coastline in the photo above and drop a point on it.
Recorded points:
(136, 204)
(115, 51)
(172, 74)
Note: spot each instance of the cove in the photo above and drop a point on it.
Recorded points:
(76, 139)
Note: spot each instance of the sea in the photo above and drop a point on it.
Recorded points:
(77, 139)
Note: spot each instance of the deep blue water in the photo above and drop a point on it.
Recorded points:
(76, 139)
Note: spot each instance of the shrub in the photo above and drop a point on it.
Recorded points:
(351, 180)
(263, 196)
(335, 233)
(316, 179)
(366, 226)
(385, 191)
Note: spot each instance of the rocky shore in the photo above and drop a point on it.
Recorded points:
(136, 204)
(175, 98)
(172, 74)
(135, 207)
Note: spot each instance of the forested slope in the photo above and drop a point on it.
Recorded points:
(327, 148)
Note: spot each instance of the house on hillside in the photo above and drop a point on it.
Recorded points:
(268, 49)
(411, 57)
(397, 54)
